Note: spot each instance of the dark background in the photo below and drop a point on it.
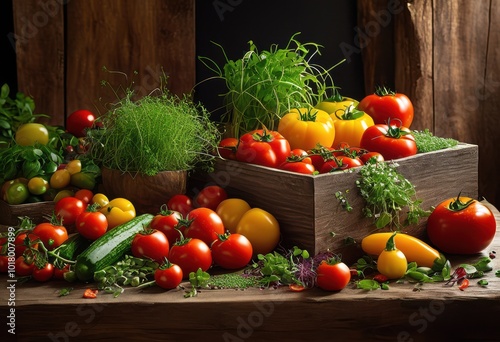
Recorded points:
(328, 23)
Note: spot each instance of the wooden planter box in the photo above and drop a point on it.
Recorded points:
(310, 215)
(9, 214)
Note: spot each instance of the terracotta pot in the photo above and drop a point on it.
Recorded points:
(147, 193)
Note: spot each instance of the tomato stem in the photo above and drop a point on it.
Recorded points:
(458, 205)
(384, 91)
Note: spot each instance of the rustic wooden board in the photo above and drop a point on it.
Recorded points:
(308, 211)
(39, 33)
(435, 313)
(37, 212)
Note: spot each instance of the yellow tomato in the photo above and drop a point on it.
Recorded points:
(31, 133)
(350, 124)
(63, 193)
(100, 199)
(305, 128)
(74, 166)
(261, 228)
(230, 211)
(336, 104)
(38, 185)
(118, 211)
(60, 179)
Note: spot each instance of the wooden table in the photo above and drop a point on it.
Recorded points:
(435, 313)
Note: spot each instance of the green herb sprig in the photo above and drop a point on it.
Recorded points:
(427, 142)
(387, 193)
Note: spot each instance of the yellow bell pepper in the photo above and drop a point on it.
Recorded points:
(118, 211)
(305, 128)
(350, 126)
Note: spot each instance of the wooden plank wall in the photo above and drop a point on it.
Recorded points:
(444, 55)
(63, 49)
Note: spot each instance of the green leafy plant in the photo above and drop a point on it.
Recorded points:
(427, 142)
(262, 86)
(158, 132)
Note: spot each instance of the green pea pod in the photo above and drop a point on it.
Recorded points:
(419, 276)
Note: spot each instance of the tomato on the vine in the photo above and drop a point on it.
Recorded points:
(166, 221)
(365, 157)
(52, 234)
(232, 251)
(320, 155)
(203, 224)
(91, 224)
(151, 244)
(23, 266)
(390, 140)
(43, 274)
(68, 209)
(385, 104)
(461, 225)
(180, 203)
(263, 147)
(59, 272)
(298, 161)
(210, 197)
(332, 275)
(190, 254)
(22, 240)
(340, 163)
(168, 276)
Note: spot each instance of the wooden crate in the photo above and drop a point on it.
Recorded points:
(309, 212)
(9, 214)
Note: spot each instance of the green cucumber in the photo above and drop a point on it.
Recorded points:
(70, 248)
(109, 248)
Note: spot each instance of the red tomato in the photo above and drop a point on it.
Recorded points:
(68, 209)
(84, 195)
(298, 167)
(23, 268)
(299, 154)
(51, 234)
(151, 244)
(59, 272)
(181, 203)
(43, 274)
(232, 251)
(227, 148)
(210, 197)
(91, 224)
(20, 244)
(168, 276)
(4, 263)
(340, 163)
(369, 155)
(332, 275)
(461, 225)
(320, 155)
(392, 142)
(203, 224)
(190, 255)
(166, 222)
(79, 121)
(385, 104)
(263, 147)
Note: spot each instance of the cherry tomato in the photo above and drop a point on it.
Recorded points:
(261, 228)
(340, 163)
(43, 274)
(385, 104)
(461, 225)
(210, 197)
(392, 141)
(298, 161)
(369, 155)
(38, 185)
(320, 155)
(17, 193)
(166, 222)
(20, 243)
(232, 251)
(190, 255)
(51, 234)
(227, 148)
(59, 272)
(23, 268)
(79, 121)
(60, 179)
(100, 199)
(151, 244)
(332, 275)
(299, 154)
(84, 195)
(230, 211)
(203, 224)
(68, 209)
(91, 224)
(63, 193)
(168, 276)
(74, 166)
(181, 203)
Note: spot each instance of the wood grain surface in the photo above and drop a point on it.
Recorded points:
(436, 312)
